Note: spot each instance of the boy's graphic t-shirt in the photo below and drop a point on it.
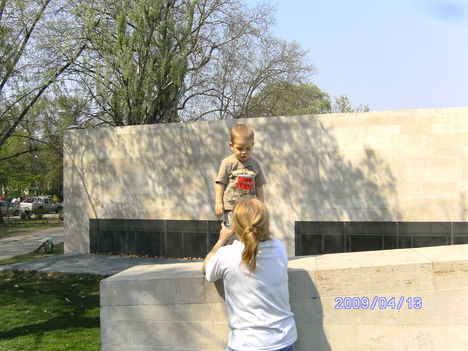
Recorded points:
(240, 178)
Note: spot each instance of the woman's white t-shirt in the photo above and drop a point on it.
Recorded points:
(259, 313)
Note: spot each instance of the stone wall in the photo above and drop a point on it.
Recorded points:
(375, 166)
(416, 301)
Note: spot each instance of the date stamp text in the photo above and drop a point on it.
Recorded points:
(378, 302)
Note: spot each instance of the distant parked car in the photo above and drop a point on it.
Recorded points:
(44, 203)
(8, 209)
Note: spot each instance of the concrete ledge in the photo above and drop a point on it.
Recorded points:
(172, 307)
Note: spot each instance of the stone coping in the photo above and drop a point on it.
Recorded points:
(348, 274)
(349, 260)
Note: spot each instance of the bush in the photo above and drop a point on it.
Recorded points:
(25, 214)
(38, 212)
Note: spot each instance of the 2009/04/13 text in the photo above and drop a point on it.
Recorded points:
(378, 302)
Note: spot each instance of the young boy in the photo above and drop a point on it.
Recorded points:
(239, 174)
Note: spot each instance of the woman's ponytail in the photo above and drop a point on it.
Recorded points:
(251, 223)
(249, 254)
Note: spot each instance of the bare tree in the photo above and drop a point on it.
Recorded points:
(247, 59)
(32, 57)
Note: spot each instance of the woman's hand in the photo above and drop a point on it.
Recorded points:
(225, 234)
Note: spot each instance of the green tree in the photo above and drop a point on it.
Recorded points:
(283, 99)
(137, 60)
(21, 172)
(342, 104)
(33, 155)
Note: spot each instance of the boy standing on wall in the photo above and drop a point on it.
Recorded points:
(239, 174)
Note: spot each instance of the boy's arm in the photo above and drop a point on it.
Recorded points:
(259, 192)
(219, 204)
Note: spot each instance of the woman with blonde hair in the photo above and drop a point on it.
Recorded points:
(255, 274)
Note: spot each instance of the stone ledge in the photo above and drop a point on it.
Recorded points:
(162, 307)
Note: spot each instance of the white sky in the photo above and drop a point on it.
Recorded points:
(389, 54)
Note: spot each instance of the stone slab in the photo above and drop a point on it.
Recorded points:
(172, 307)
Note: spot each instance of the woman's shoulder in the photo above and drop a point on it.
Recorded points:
(236, 246)
(274, 244)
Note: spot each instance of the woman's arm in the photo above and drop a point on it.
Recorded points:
(224, 235)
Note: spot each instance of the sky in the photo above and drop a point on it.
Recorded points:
(388, 54)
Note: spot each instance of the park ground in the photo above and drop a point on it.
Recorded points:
(46, 311)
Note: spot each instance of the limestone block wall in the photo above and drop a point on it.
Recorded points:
(172, 307)
(374, 166)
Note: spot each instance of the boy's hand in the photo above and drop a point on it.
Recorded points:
(219, 209)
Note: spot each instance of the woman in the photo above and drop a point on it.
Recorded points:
(255, 273)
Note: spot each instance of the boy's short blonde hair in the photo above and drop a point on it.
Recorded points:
(242, 131)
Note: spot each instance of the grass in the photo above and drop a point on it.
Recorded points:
(16, 226)
(49, 311)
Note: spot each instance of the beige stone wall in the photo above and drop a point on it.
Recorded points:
(172, 307)
(376, 166)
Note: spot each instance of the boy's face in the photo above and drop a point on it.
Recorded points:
(242, 148)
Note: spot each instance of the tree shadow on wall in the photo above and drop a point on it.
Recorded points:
(332, 187)
(176, 166)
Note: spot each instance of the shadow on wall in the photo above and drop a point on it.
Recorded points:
(308, 312)
(167, 172)
(79, 191)
(318, 180)
(152, 174)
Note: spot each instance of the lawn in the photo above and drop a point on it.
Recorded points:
(48, 311)
(17, 226)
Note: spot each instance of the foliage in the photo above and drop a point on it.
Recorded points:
(38, 213)
(37, 166)
(284, 98)
(19, 173)
(135, 66)
(342, 104)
